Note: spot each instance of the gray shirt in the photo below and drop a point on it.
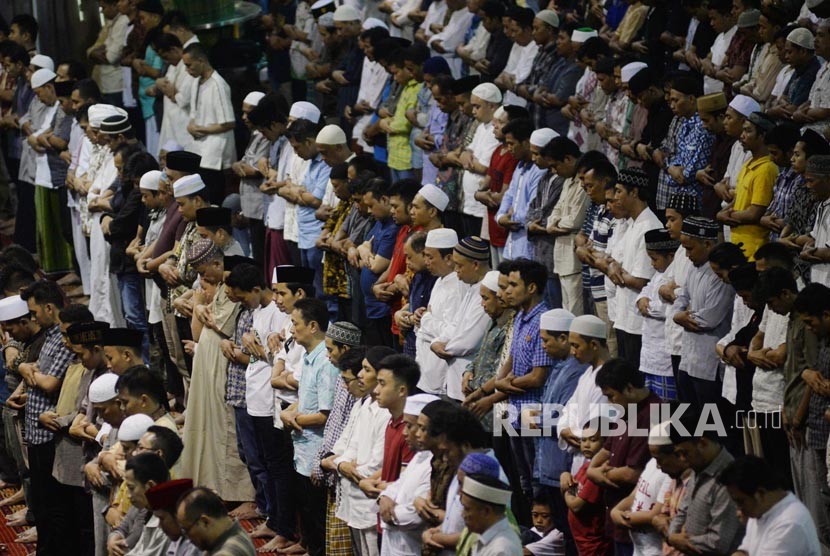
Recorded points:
(253, 200)
(498, 540)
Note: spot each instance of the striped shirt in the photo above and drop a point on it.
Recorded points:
(235, 388)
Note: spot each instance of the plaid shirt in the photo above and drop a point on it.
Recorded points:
(818, 429)
(235, 388)
(789, 192)
(692, 153)
(587, 226)
(527, 352)
(53, 361)
(341, 408)
(601, 232)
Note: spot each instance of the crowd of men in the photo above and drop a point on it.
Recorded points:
(433, 285)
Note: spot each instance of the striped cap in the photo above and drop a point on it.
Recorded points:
(474, 247)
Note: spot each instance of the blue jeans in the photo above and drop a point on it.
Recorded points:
(398, 175)
(553, 292)
(131, 288)
(246, 443)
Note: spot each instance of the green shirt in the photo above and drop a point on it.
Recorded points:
(400, 151)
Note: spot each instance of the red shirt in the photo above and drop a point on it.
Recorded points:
(396, 452)
(588, 526)
(500, 172)
(171, 230)
(397, 265)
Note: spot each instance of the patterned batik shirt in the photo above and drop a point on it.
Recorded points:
(235, 388)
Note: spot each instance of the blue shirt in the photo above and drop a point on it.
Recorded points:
(527, 353)
(315, 394)
(384, 233)
(551, 460)
(154, 61)
(420, 291)
(520, 193)
(435, 126)
(315, 183)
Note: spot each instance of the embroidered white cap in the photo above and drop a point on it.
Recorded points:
(434, 196)
(556, 320)
(188, 185)
(102, 388)
(442, 238)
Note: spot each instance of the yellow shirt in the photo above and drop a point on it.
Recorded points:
(754, 187)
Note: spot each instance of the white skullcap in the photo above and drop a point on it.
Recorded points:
(658, 435)
(630, 70)
(12, 308)
(442, 238)
(589, 326)
(188, 185)
(150, 180)
(41, 77)
(580, 35)
(303, 110)
(500, 112)
(434, 196)
(103, 389)
(488, 93)
(41, 61)
(541, 137)
(134, 427)
(415, 403)
(171, 146)
(326, 20)
(486, 493)
(331, 135)
(346, 13)
(99, 112)
(803, 38)
(556, 320)
(491, 280)
(744, 105)
(373, 22)
(253, 98)
(274, 276)
(550, 17)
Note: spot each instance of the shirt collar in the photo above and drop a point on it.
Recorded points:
(537, 309)
(311, 356)
(718, 464)
(499, 527)
(778, 508)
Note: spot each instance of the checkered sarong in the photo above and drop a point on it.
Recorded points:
(338, 537)
(663, 386)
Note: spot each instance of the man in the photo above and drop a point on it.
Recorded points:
(759, 494)
(147, 66)
(485, 500)
(427, 208)
(23, 30)
(814, 112)
(633, 270)
(175, 89)
(308, 416)
(524, 50)
(211, 120)
(203, 519)
(753, 193)
(122, 349)
(161, 500)
(214, 223)
(43, 380)
(475, 159)
(707, 520)
(800, 53)
(143, 472)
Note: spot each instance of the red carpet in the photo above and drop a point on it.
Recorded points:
(8, 534)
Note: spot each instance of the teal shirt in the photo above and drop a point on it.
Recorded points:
(153, 60)
(315, 394)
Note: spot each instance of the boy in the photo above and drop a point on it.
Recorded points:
(655, 359)
(543, 538)
(420, 289)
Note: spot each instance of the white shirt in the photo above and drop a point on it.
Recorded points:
(451, 37)
(519, 64)
(435, 14)
(781, 81)
(577, 410)
(654, 357)
(635, 261)
(718, 51)
(677, 271)
(210, 103)
(404, 538)
(740, 318)
(768, 385)
(498, 540)
(111, 77)
(820, 273)
(786, 528)
(177, 111)
(651, 489)
(296, 170)
(616, 243)
(259, 396)
(361, 441)
(552, 544)
(275, 205)
(293, 360)
(444, 303)
(483, 145)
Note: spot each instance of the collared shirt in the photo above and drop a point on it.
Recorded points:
(517, 198)
(694, 147)
(568, 213)
(755, 183)
(786, 528)
(798, 88)
(768, 384)
(548, 194)
(485, 364)
(789, 192)
(235, 387)
(709, 301)
(527, 352)
(707, 512)
(396, 452)
(315, 182)
(636, 262)
(498, 540)
(115, 33)
(315, 394)
(818, 428)
(655, 359)
(53, 361)
(383, 235)
(762, 79)
(820, 272)
(210, 103)
(601, 231)
(482, 147)
(233, 542)
(152, 541)
(253, 200)
(400, 151)
(802, 352)
(436, 123)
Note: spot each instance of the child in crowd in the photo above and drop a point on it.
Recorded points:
(544, 539)
(420, 289)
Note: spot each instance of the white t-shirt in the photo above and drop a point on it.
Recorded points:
(259, 396)
(210, 104)
(483, 145)
(635, 261)
(786, 528)
(768, 385)
(651, 489)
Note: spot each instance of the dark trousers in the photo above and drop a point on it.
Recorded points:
(215, 183)
(249, 453)
(24, 223)
(277, 454)
(629, 346)
(675, 368)
(183, 326)
(257, 229)
(470, 225)
(294, 251)
(311, 503)
(698, 391)
(378, 332)
(175, 384)
(51, 502)
(524, 453)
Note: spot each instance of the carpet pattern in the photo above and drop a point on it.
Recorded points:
(8, 534)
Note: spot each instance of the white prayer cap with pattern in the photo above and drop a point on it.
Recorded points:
(442, 238)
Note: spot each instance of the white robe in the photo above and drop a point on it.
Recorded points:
(404, 538)
(176, 112)
(443, 306)
(578, 411)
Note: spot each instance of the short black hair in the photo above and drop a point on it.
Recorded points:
(619, 373)
(813, 300)
(246, 277)
(76, 69)
(16, 53)
(308, 289)
(593, 48)
(404, 369)
(88, 90)
(465, 428)
(168, 442)
(197, 50)
(139, 164)
(147, 467)
(200, 501)
(784, 136)
(560, 147)
(27, 24)
(520, 129)
(139, 380)
(302, 130)
(376, 354)
(163, 42)
(417, 241)
(377, 187)
(43, 292)
(272, 108)
(749, 474)
(515, 112)
(590, 160)
(19, 255)
(352, 360)
(313, 310)
(406, 189)
(531, 272)
(175, 19)
(777, 254)
(523, 16)
(76, 313)
(727, 255)
(14, 278)
(774, 282)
